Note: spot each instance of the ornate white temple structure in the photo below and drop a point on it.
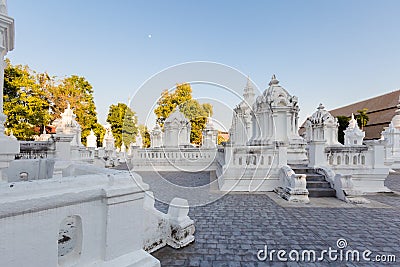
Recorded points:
(156, 137)
(171, 150)
(67, 125)
(177, 130)
(91, 140)
(242, 129)
(353, 135)
(275, 119)
(209, 135)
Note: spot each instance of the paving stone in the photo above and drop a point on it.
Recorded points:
(231, 230)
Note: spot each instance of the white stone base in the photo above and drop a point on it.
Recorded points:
(367, 180)
(291, 196)
(248, 180)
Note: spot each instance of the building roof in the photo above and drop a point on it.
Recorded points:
(381, 110)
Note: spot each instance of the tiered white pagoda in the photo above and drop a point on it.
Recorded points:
(156, 137)
(241, 129)
(91, 140)
(108, 140)
(209, 135)
(177, 130)
(353, 135)
(275, 119)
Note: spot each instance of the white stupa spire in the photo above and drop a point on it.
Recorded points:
(248, 94)
(3, 7)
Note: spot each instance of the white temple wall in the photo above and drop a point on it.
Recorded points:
(249, 168)
(107, 214)
(173, 159)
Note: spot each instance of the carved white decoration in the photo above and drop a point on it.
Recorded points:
(91, 140)
(322, 126)
(241, 128)
(210, 134)
(156, 137)
(353, 136)
(177, 130)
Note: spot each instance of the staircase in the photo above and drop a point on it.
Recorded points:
(317, 186)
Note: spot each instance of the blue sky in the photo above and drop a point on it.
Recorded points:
(334, 52)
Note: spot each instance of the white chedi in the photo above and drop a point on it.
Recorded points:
(275, 116)
(209, 135)
(322, 126)
(177, 130)
(156, 137)
(3, 7)
(44, 136)
(139, 140)
(353, 135)
(91, 140)
(108, 140)
(241, 128)
(67, 125)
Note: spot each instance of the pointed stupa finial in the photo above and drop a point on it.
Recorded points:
(273, 81)
(248, 93)
(352, 123)
(3, 7)
(12, 135)
(248, 83)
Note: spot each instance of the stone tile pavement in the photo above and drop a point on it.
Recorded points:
(231, 230)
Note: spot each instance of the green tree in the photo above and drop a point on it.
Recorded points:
(362, 118)
(197, 114)
(26, 104)
(168, 101)
(194, 111)
(78, 92)
(145, 135)
(123, 124)
(343, 123)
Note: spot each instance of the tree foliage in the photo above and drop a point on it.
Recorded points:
(197, 114)
(33, 100)
(145, 135)
(78, 92)
(26, 105)
(343, 124)
(123, 124)
(362, 118)
(194, 111)
(168, 101)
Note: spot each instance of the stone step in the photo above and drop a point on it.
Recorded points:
(321, 192)
(315, 177)
(303, 170)
(318, 184)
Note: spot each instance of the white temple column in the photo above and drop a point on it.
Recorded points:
(9, 146)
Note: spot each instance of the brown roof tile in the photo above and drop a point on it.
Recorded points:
(381, 110)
